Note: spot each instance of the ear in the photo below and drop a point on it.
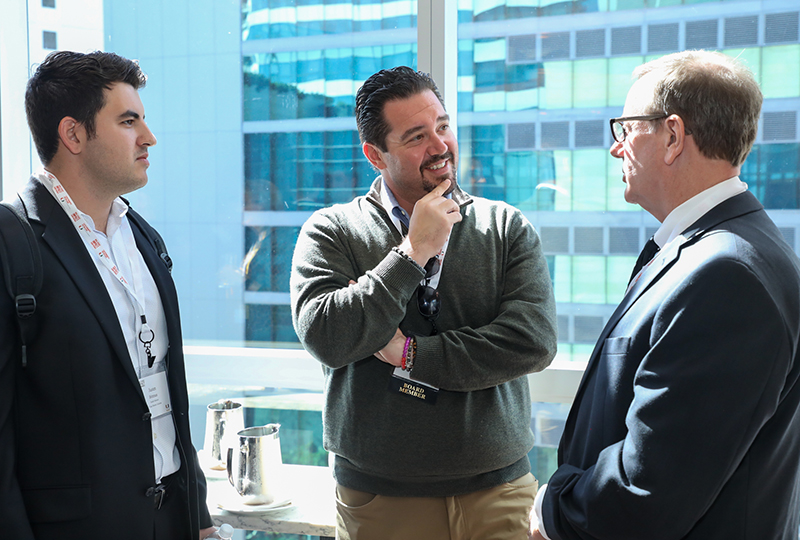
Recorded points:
(676, 138)
(374, 155)
(72, 135)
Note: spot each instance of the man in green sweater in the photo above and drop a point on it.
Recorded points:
(427, 308)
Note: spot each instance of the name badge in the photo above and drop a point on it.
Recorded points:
(156, 393)
(401, 382)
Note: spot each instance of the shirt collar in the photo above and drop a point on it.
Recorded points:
(118, 212)
(115, 216)
(390, 204)
(690, 211)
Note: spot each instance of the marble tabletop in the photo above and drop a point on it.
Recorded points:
(309, 494)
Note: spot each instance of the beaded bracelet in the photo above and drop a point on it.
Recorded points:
(408, 362)
(405, 354)
(407, 257)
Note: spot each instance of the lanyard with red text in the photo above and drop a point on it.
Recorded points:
(146, 334)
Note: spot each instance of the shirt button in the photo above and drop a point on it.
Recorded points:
(146, 416)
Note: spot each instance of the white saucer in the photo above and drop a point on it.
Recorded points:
(206, 465)
(237, 506)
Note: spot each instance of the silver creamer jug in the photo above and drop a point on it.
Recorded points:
(255, 463)
(224, 419)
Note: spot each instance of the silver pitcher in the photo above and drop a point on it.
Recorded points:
(224, 419)
(255, 463)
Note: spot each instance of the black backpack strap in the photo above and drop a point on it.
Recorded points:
(22, 268)
(152, 236)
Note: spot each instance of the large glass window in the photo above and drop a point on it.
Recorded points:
(562, 76)
(252, 102)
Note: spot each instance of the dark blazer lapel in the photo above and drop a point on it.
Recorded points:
(734, 207)
(62, 238)
(649, 275)
(176, 373)
(737, 206)
(163, 280)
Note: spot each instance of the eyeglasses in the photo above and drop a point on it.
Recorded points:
(428, 301)
(618, 129)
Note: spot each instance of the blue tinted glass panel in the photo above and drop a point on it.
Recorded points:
(311, 171)
(270, 19)
(313, 84)
(487, 166)
(260, 193)
(779, 175)
(304, 171)
(269, 323)
(268, 258)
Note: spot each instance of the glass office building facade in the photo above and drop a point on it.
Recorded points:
(537, 81)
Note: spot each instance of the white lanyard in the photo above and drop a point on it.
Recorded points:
(146, 334)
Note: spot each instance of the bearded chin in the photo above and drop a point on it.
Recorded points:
(429, 186)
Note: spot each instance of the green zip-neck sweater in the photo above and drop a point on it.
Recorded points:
(497, 324)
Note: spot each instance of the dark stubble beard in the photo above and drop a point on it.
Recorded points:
(429, 186)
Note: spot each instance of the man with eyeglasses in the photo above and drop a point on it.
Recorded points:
(686, 423)
(427, 308)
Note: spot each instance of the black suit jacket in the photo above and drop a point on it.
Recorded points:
(686, 423)
(76, 451)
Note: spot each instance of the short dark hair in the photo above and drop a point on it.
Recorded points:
(72, 84)
(716, 96)
(387, 85)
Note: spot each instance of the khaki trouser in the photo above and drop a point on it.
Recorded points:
(500, 513)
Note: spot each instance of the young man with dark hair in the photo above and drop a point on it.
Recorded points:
(94, 433)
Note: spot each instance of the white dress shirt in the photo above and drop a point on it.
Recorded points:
(687, 213)
(118, 236)
(115, 241)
